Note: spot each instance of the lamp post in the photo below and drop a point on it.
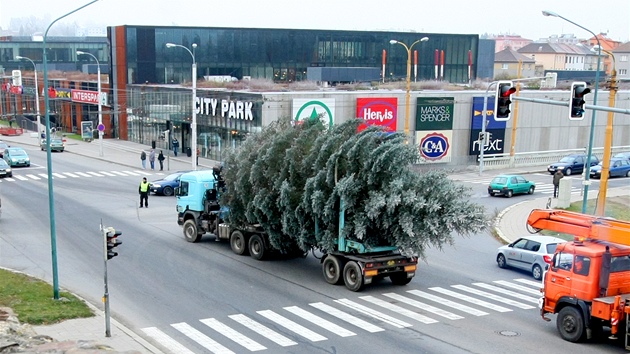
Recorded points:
(39, 123)
(51, 200)
(100, 109)
(587, 168)
(407, 96)
(193, 144)
(603, 182)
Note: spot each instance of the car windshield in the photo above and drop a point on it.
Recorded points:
(18, 152)
(172, 177)
(567, 159)
(56, 141)
(3, 146)
(3, 164)
(499, 180)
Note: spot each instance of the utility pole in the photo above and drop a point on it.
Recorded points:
(603, 184)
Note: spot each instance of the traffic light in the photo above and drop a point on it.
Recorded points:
(111, 241)
(502, 101)
(576, 105)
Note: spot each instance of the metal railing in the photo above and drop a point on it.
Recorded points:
(537, 158)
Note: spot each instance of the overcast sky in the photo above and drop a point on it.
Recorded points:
(446, 16)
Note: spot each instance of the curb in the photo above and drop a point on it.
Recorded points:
(499, 218)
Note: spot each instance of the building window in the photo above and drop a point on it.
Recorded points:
(623, 71)
(505, 66)
(623, 58)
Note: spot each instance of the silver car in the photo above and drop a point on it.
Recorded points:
(529, 253)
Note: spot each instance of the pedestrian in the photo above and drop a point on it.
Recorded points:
(10, 123)
(175, 146)
(152, 159)
(197, 156)
(144, 192)
(556, 182)
(143, 158)
(161, 160)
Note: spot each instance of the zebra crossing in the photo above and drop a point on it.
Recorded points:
(78, 174)
(267, 329)
(541, 187)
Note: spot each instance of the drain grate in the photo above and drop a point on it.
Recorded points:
(508, 333)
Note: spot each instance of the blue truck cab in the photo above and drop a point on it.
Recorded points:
(192, 190)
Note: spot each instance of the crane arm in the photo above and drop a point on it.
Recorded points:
(581, 225)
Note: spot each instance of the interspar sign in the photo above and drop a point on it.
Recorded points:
(84, 96)
(380, 111)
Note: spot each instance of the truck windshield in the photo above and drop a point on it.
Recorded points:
(183, 189)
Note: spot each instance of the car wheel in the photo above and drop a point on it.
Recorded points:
(567, 172)
(501, 262)
(509, 193)
(167, 191)
(10, 174)
(537, 272)
(628, 174)
(492, 193)
(531, 190)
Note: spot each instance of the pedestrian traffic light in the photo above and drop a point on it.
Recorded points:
(576, 104)
(502, 101)
(111, 241)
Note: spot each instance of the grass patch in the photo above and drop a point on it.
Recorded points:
(32, 300)
(617, 208)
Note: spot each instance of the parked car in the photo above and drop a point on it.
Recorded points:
(166, 185)
(619, 167)
(572, 164)
(3, 147)
(5, 169)
(508, 185)
(529, 253)
(56, 144)
(623, 155)
(15, 156)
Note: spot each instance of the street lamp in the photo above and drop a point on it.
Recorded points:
(51, 200)
(407, 97)
(100, 111)
(39, 123)
(587, 168)
(193, 144)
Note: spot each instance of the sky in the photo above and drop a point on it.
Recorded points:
(523, 18)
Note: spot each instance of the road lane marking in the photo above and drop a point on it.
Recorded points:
(263, 330)
(71, 174)
(21, 178)
(423, 306)
(394, 308)
(95, 174)
(32, 177)
(373, 313)
(325, 324)
(449, 303)
(120, 173)
(201, 338)
(107, 173)
(83, 174)
(58, 175)
(347, 317)
(507, 292)
(166, 341)
(236, 336)
(470, 299)
(493, 297)
(536, 284)
(507, 284)
(291, 326)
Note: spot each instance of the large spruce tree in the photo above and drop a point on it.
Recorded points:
(292, 180)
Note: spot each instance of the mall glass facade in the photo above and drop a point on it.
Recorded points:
(283, 55)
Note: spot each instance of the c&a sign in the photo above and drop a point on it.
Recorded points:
(434, 128)
(381, 111)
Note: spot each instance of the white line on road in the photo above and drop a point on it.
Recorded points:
(471, 299)
(239, 338)
(347, 317)
(394, 308)
(325, 324)
(449, 303)
(168, 342)
(291, 326)
(201, 338)
(493, 297)
(263, 330)
(373, 313)
(423, 306)
(507, 292)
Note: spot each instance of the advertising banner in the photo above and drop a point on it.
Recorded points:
(495, 130)
(86, 130)
(434, 128)
(85, 96)
(381, 111)
(311, 108)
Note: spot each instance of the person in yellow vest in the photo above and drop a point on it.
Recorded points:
(144, 192)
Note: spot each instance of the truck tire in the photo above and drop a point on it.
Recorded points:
(238, 242)
(570, 323)
(332, 268)
(400, 278)
(191, 234)
(256, 247)
(352, 276)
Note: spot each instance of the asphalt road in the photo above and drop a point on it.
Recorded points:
(208, 299)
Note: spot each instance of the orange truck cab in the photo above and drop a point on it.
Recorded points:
(588, 282)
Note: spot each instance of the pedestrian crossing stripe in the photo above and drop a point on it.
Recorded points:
(515, 293)
(64, 175)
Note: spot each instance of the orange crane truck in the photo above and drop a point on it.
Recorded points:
(588, 282)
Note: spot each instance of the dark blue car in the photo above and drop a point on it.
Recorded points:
(619, 167)
(166, 186)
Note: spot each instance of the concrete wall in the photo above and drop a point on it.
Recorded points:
(540, 127)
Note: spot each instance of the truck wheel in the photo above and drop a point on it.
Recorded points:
(167, 191)
(352, 276)
(400, 278)
(190, 231)
(570, 324)
(238, 243)
(256, 247)
(332, 270)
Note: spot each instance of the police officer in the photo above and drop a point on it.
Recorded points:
(144, 192)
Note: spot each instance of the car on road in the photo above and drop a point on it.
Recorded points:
(3, 146)
(529, 253)
(571, 164)
(56, 144)
(5, 169)
(623, 155)
(508, 185)
(16, 156)
(166, 186)
(619, 167)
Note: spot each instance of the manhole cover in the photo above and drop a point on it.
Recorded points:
(509, 333)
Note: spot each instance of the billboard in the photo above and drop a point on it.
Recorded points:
(434, 128)
(495, 130)
(381, 111)
(310, 108)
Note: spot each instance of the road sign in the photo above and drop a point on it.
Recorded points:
(101, 127)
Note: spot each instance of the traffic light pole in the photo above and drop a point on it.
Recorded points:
(106, 294)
